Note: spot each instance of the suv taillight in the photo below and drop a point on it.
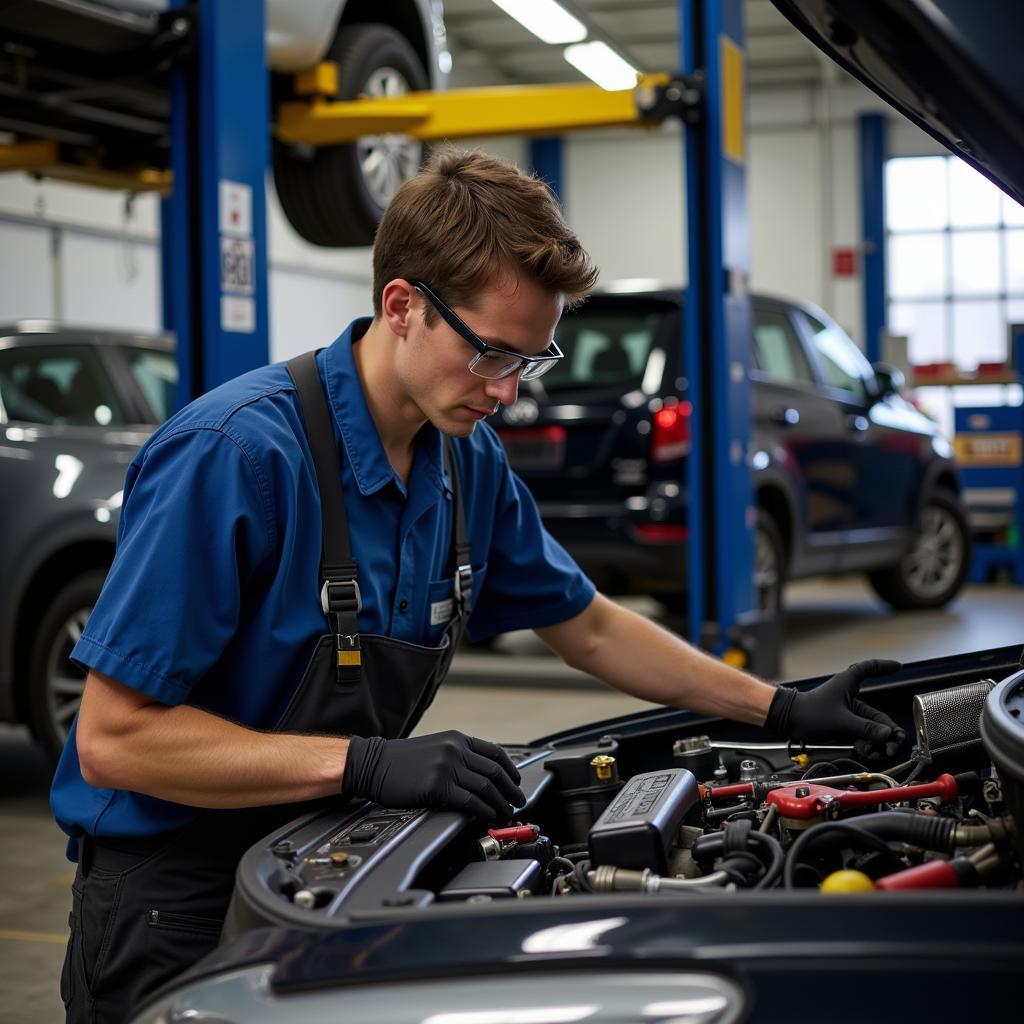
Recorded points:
(670, 438)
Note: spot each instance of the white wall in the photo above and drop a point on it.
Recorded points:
(624, 196)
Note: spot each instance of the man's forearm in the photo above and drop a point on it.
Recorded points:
(639, 658)
(196, 758)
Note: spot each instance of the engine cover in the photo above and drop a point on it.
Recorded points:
(640, 826)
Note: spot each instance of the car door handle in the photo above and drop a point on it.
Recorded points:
(786, 416)
(858, 423)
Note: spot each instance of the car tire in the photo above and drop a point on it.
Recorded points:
(769, 564)
(335, 195)
(55, 683)
(931, 574)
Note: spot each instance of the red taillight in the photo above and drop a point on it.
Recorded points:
(659, 533)
(671, 436)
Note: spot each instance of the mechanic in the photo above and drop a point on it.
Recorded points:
(352, 488)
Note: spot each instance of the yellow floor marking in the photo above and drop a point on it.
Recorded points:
(16, 936)
(64, 880)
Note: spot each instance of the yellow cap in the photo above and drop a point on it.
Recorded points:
(847, 881)
(802, 761)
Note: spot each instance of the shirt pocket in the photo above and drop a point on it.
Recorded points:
(440, 604)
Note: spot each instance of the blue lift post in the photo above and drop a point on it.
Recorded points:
(717, 334)
(546, 161)
(872, 192)
(213, 227)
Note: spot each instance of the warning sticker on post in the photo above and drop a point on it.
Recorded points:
(237, 265)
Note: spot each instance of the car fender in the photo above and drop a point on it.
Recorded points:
(76, 530)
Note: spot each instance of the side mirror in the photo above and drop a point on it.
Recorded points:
(889, 379)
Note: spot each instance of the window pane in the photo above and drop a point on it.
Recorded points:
(1014, 261)
(59, 385)
(979, 333)
(976, 263)
(917, 266)
(157, 374)
(1015, 311)
(926, 326)
(973, 200)
(841, 361)
(916, 193)
(779, 353)
(1013, 212)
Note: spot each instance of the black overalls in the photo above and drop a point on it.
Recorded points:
(144, 909)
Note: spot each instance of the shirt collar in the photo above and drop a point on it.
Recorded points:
(363, 447)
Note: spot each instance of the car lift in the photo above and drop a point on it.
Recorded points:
(214, 241)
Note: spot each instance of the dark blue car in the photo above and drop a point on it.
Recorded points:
(847, 474)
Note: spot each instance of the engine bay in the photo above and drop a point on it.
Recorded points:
(668, 804)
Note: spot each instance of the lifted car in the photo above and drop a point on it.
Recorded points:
(92, 75)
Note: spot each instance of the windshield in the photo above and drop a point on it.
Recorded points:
(605, 349)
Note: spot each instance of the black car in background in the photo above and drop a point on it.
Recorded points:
(75, 405)
(847, 474)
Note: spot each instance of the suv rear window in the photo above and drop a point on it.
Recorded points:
(611, 348)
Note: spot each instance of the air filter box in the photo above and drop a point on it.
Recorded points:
(1002, 731)
(640, 826)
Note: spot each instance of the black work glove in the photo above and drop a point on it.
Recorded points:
(444, 769)
(831, 713)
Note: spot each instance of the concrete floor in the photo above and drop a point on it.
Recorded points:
(528, 694)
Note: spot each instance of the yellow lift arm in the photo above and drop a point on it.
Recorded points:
(464, 113)
(42, 157)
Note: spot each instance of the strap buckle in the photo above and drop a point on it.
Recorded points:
(336, 597)
(464, 584)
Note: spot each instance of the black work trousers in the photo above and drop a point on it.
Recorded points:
(143, 910)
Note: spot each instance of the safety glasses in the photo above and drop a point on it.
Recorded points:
(490, 362)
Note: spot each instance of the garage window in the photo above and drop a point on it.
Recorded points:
(955, 261)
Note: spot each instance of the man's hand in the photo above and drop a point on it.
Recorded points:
(831, 712)
(444, 769)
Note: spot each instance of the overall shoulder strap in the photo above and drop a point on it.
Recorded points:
(339, 583)
(460, 548)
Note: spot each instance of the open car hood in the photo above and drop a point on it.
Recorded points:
(953, 67)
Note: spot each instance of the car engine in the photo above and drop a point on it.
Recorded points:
(664, 810)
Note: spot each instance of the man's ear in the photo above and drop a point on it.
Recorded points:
(396, 304)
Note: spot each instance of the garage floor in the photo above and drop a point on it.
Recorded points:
(828, 625)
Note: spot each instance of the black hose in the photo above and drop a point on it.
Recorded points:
(710, 847)
(924, 830)
(829, 828)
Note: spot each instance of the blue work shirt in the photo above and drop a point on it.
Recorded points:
(214, 595)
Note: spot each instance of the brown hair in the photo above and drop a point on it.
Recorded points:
(466, 219)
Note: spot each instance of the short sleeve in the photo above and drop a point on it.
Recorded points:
(196, 534)
(531, 580)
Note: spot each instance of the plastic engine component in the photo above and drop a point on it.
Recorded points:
(640, 826)
(1002, 731)
(494, 878)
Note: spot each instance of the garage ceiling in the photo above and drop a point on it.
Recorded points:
(489, 45)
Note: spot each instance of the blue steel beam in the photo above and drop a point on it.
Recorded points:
(546, 161)
(717, 326)
(872, 192)
(214, 233)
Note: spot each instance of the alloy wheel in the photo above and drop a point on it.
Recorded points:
(65, 681)
(387, 161)
(934, 562)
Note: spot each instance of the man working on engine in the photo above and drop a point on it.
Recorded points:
(355, 491)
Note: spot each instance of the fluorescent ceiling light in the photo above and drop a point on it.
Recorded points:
(546, 19)
(600, 63)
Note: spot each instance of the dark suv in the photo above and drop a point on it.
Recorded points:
(847, 474)
(74, 407)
